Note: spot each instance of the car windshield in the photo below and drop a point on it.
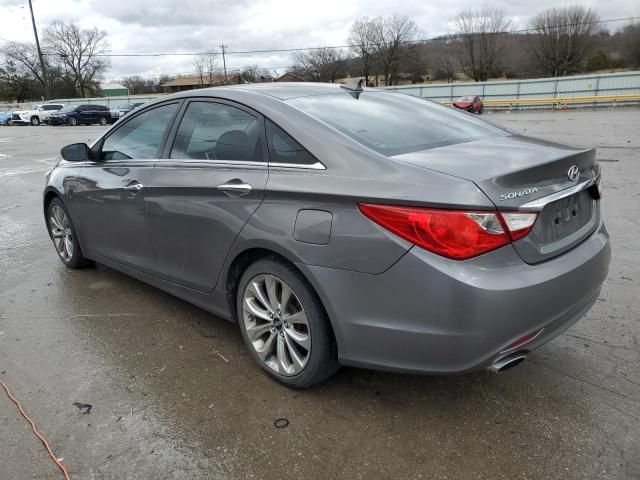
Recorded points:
(394, 123)
(68, 108)
(465, 99)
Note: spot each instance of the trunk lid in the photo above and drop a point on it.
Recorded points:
(514, 171)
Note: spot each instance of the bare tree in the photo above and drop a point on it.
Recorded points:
(630, 43)
(78, 51)
(563, 38)
(389, 36)
(135, 84)
(206, 66)
(25, 56)
(479, 33)
(320, 64)
(445, 53)
(253, 74)
(361, 43)
(198, 64)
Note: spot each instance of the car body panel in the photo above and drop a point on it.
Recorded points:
(431, 314)
(42, 112)
(192, 224)
(113, 220)
(5, 118)
(83, 114)
(470, 104)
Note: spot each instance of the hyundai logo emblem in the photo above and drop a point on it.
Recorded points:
(573, 173)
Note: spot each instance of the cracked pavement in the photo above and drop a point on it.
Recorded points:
(175, 395)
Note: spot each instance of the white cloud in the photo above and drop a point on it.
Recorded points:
(145, 26)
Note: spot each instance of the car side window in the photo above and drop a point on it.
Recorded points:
(284, 149)
(140, 137)
(217, 131)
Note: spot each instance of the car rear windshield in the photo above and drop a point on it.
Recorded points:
(394, 123)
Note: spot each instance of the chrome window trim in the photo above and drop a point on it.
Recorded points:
(540, 203)
(313, 166)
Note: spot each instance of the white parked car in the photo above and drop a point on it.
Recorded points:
(35, 114)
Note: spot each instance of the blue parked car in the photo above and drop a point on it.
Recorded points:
(5, 118)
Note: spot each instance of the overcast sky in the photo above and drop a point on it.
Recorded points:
(149, 26)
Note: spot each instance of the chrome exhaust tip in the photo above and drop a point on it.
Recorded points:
(505, 363)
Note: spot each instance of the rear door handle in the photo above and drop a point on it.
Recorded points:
(133, 187)
(235, 188)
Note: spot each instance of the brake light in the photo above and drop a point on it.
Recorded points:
(456, 234)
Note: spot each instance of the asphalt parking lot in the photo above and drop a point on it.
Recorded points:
(174, 394)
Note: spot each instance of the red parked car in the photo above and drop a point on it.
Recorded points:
(470, 104)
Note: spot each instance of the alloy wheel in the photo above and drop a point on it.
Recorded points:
(276, 325)
(61, 232)
(102, 121)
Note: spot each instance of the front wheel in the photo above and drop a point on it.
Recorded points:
(72, 121)
(35, 121)
(284, 325)
(64, 236)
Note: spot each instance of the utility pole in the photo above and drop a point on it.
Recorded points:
(224, 61)
(42, 66)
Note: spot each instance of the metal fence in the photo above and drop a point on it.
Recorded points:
(534, 93)
(623, 84)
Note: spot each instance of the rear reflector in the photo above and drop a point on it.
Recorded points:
(522, 340)
(455, 234)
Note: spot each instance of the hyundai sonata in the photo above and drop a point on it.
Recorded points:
(341, 225)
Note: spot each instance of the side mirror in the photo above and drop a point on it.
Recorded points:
(76, 152)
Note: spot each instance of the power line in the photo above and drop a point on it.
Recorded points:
(300, 49)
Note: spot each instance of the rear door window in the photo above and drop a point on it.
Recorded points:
(283, 149)
(217, 131)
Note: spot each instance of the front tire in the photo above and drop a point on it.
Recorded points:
(35, 121)
(72, 121)
(63, 235)
(284, 325)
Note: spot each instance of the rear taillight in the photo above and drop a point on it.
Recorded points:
(519, 224)
(456, 234)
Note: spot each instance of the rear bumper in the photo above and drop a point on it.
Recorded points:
(430, 314)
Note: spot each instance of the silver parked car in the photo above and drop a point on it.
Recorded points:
(339, 225)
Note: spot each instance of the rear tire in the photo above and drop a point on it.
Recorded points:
(284, 325)
(102, 121)
(63, 235)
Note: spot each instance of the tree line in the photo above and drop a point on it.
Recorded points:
(557, 41)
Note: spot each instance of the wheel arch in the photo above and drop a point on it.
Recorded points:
(49, 195)
(247, 257)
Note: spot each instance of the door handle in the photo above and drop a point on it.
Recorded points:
(133, 187)
(235, 188)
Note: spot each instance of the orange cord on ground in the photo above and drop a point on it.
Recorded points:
(35, 430)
